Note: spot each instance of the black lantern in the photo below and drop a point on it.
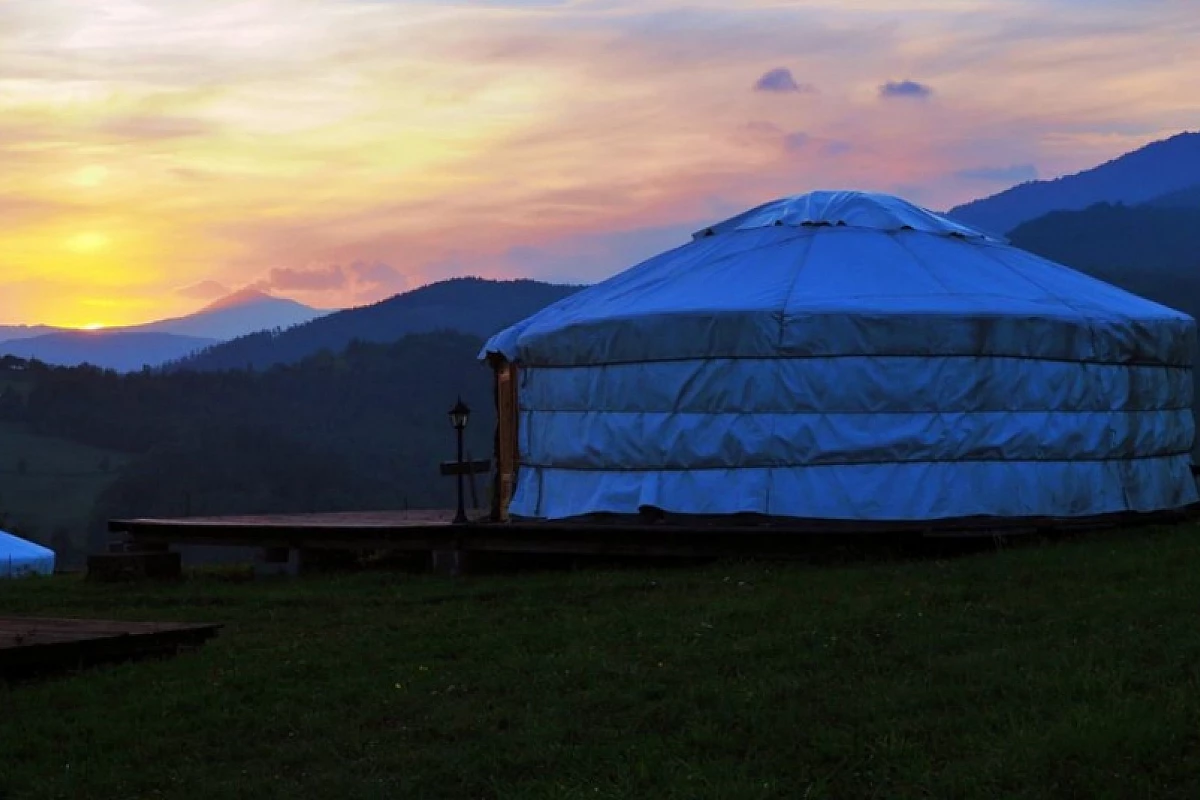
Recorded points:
(458, 418)
(459, 415)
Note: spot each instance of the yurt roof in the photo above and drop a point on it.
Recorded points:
(20, 556)
(869, 210)
(847, 273)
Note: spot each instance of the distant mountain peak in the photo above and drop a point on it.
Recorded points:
(1156, 169)
(242, 297)
(468, 305)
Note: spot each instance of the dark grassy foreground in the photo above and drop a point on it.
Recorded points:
(1065, 670)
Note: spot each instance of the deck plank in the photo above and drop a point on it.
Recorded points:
(41, 644)
(432, 531)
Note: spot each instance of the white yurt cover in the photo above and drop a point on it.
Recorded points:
(20, 557)
(848, 355)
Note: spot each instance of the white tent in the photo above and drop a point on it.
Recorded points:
(847, 355)
(20, 557)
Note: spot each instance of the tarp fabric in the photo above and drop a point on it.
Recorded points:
(846, 355)
(19, 557)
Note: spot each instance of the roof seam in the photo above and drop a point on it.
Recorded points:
(787, 298)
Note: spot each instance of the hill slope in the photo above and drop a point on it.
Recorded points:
(151, 344)
(468, 305)
(1154, 252)
(363, 429)
(124, 352)
(1154, 170)
(49, 486)
(9, 333)
(1182, 198)
(238, 314)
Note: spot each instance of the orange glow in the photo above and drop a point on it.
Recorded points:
(154, 154)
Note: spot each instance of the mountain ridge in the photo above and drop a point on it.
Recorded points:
(1151, 171)
(12, 333)
(123, 352)
(239, 298)
(470, 305)
(237, 314)
(131, 347)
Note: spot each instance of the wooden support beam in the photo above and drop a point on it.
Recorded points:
(468, 467)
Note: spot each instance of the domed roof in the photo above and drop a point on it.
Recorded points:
(871, 210)
(847, 273)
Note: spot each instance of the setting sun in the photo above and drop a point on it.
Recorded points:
(88, 242)
(234, 144)
(90, 176)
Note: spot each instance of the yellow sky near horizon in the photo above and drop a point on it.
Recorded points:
(156, 154)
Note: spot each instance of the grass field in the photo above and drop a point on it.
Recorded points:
(1049, 670)
(48, 486)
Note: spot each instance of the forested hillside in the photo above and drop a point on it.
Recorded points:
(362, 429)
(125, 352)
(468, 305)
(1149, 250)
(1136, 177)
(1183, 198)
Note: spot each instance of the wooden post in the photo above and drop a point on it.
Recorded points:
(471, 477)
(467, 468)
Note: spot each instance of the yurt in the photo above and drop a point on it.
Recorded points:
(19, 557)
(845, 356)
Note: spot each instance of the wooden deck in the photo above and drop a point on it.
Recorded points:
(357, 530)
(433, 531)
(33, 645)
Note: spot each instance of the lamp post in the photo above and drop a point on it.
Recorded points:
(458, 418)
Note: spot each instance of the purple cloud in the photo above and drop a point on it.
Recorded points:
(905, 88)
(780, 79)
(794, 142)
(306, 280)
(1016, 173)
(374, 276)
(365, 278)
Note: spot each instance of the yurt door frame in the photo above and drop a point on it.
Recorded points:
(507, 452)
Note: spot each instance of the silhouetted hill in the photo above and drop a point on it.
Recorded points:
(238, 299)
(361, 429)
(468, 305)
(1182, 198)
(124, 352)
(151, 344)
(10, 333)
(236, 315)
(1152, 251)
(1136, 177)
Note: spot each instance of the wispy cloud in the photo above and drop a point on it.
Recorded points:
(905, 88)
(781, 80)
(144, 146)
(143, 127)
(796, 141)
(363, 281)
(1015, 173)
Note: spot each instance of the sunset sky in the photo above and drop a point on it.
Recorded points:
(155, 155)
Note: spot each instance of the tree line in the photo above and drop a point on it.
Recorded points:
(361, 429)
